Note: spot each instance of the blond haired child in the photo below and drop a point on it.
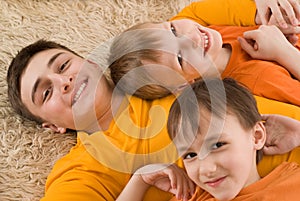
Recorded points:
(151, 60)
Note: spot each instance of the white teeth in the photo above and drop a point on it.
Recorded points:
(205, 41)
(79, 92)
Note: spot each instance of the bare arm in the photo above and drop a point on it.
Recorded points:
(169, 178)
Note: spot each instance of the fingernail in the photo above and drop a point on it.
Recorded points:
(295, 22)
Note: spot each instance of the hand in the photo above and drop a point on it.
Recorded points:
(168, 178)
(290, 31)
(277, 9)
(266, 43)
(283, 134)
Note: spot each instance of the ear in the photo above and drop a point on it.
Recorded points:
(259, 135)
(54, 128)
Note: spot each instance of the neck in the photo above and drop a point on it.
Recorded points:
(223, 58)
(254, 177)
(106, 115)
(219, 62)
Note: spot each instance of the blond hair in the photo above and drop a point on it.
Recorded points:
(127, 53)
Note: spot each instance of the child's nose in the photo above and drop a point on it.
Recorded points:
(207, 167)
(195, 37)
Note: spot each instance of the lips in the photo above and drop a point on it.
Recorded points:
(205, 39)
(78, 91)
(215, 182)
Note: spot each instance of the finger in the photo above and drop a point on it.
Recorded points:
(254, 34)
(191, 188)
(269, 140)
(278, 16)
(291, 30)
(270, 150)
(296, 7)
(188, 187)
(247, 46)
(176, 180)
(293, 39)
(180, 188)
(289, 10)
(184, 188)
(172, 178)
(264, 16)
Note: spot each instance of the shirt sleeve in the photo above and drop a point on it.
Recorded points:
(220, 12)
(80, 186)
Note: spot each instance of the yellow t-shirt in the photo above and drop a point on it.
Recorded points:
(100, 165)
(220, 12)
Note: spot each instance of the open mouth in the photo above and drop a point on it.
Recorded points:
(205, 40)
(78, 91)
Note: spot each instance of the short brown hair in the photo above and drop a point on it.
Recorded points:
(127, 52)
(17, 67)
(216, 96)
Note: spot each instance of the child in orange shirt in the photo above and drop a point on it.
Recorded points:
(184, 50)
(219, 133)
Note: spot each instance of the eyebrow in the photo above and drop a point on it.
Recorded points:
(53, 58)
(37, 83)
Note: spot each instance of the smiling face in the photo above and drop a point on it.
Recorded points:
(223, 163)
(188, 48)
(54, 83)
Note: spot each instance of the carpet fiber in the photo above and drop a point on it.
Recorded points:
(28, 152)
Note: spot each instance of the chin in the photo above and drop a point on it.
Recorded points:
(224, 197)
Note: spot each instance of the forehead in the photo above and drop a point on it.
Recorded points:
(160, 25)
(160, 35)
(209, 128)
(37, 66)
(40, 60)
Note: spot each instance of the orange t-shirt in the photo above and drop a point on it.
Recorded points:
(263, 78)
(281, 184)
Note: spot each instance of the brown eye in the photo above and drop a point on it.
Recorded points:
(173, 30)
(63, 66)
(179, 58)
(218, 145)
(46, 94)
(190, 155)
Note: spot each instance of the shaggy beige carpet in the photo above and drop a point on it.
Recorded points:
(28, 152)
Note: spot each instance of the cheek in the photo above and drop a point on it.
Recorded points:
(78, 65)
(217, 41)
(196, 63)
(240, 160)
(192, 169)
(194, 71)
(55, 107)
